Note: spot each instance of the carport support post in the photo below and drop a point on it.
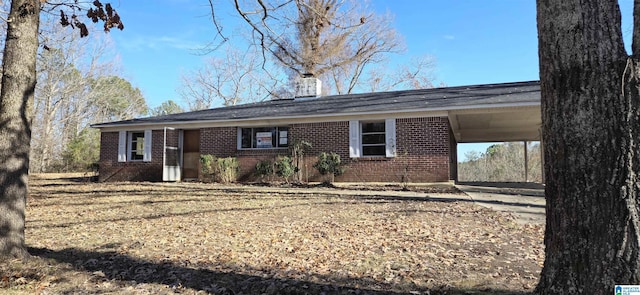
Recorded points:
(526, 163)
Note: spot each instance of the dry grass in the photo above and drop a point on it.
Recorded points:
(157, 238)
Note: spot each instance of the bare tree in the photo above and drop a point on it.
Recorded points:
(418, 73)
(16, 105)
(502, 162)
(337, 41)
(16, 112)
(590, 117)
(236, 77)
(67, 95)
(329, 33)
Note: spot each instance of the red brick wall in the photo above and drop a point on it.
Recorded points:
(453, 151)
(423, 148)
(112, 170)
(223, 142)
(330, 137)
(422, 155)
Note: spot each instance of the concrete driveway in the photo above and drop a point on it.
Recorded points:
(525, 200)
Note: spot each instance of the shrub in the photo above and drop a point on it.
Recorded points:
(264, 168)
(284, 167)
(224, 170)
(206, 167)
(227, 169)
(329, 164)
(298, 149)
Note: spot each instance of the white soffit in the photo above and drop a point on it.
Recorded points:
(496, 125)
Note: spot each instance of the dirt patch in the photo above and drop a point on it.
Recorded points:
(156, 238)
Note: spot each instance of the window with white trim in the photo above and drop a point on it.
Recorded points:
(263, 138)
(372, 138)
(134, 146)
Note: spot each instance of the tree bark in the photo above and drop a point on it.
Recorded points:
(16, 112)
(590, 103)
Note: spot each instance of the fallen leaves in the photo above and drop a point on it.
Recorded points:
(189, 237)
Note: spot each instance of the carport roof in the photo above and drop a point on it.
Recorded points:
(465, 103)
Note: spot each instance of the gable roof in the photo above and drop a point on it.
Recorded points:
(434, 99)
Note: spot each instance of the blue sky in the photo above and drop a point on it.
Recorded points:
(474, 42)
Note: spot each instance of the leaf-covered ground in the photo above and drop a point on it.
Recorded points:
(191, 238)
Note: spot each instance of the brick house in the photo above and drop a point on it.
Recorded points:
(382, 137)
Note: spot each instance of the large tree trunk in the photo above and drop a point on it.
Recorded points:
(16, 108)
(590, 128)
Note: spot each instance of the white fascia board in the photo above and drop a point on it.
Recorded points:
(492, 108)
(283, 120)
(272, 121)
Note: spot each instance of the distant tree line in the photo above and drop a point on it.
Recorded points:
(502, 163)
(78, 85)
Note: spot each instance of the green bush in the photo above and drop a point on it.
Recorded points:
(206, 167)
(329, 164)
(82, 152)
(264, 168)
(284, 167)
(224, 170)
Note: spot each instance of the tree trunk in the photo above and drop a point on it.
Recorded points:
(590, 104)
(16, 112)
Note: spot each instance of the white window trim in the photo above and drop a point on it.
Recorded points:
(129, 150)
(355, 139)
(380, 144)
(146, 157)
(390, 135)
(124, 146)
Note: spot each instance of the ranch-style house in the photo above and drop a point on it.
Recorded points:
(408, 136)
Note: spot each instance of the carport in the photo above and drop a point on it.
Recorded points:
(504, 118)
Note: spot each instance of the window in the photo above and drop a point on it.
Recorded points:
(263, 138)
(372, 138)
(134, 146)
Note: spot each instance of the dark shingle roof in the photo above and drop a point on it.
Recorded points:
(446, 98)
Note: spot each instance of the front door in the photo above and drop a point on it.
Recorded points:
(191, 154)
(171, 154)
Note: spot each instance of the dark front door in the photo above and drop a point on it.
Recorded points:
(191, 156)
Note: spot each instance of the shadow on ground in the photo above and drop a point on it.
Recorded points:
(113, 266)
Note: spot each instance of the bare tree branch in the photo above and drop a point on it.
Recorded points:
(335, 40)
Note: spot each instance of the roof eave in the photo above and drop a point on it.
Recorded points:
(431, 112)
